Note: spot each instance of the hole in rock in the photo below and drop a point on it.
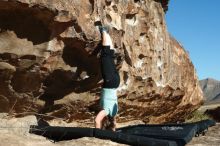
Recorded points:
(115, 8)
(160, 58)
(108, 2)
(109, 18)
(92, 3)
(127, 57)
(35, 23)
(130, 16)
(30, 57)
(141, 56)
(142, 34)
(7, 56)
(125, 76)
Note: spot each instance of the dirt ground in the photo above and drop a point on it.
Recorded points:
(15, 132)
(211, 138)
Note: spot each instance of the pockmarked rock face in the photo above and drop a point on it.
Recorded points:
(49, 61)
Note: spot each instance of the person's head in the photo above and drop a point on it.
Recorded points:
(109, 123)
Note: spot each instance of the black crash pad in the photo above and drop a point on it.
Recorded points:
(180, 133)
(69, 133)
(140, 135)
(204, 125)
(57, 133)
(133, 140)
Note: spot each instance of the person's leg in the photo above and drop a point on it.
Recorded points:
(108, 67)
(106, 39)
(99, 118)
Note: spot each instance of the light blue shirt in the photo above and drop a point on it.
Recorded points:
(109, 101)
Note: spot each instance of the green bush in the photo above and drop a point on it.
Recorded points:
(196, 116)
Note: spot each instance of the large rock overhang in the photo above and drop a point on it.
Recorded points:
(49, 61)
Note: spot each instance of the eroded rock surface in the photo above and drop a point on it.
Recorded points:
(49, 62)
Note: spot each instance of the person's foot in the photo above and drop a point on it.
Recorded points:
(103, 29)
(100, 27)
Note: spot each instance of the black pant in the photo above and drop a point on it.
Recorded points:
(108, 68)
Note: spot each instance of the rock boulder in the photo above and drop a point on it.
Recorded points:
(49, 60)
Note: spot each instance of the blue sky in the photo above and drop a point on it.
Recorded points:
(196, 25)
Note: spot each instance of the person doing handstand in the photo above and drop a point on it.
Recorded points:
(108, 99)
